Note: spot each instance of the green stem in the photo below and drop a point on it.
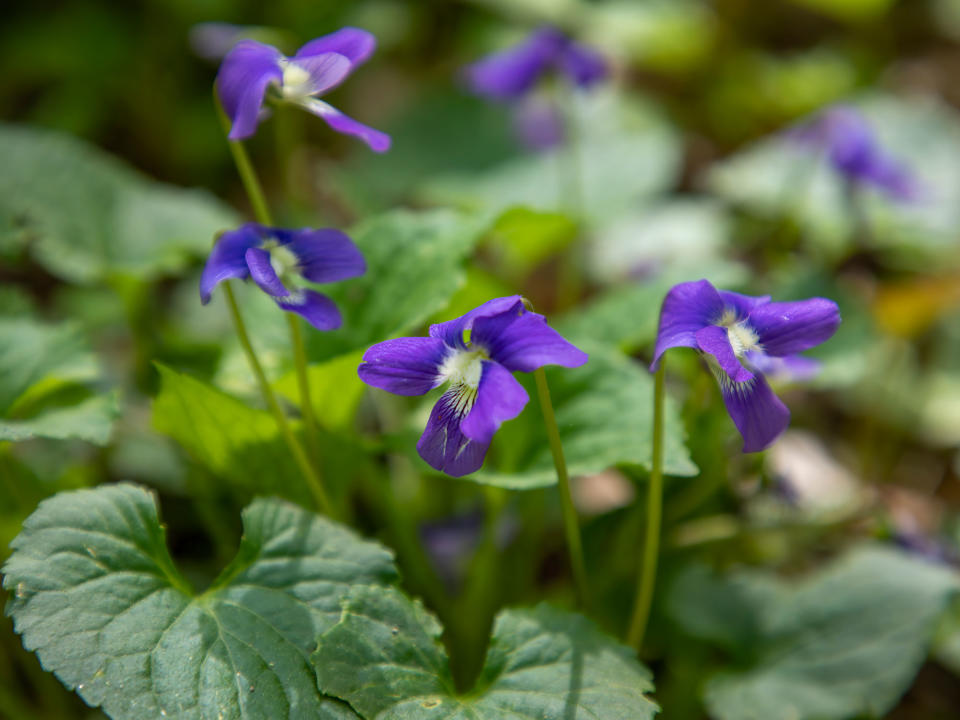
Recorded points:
(571, 198)
(648, 572)
(261, 212)
(248, 176)
(480, 596)
(303, 382)
(571, 524)
(313, 479)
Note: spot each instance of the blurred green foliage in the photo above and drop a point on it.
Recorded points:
(110, 370)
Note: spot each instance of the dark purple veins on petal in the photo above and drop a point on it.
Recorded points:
(499, 398)
(443, 446)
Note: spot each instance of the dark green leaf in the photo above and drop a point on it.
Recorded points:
(385, 658)
(95, 594)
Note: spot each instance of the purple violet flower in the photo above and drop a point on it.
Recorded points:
(843, 134)
(511, 73)
(732, 331)
(476, 354)
(274, 257)
(251, 68)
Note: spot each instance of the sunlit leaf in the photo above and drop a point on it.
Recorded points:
(85, 215)
(90, 420)
(335, 390)
(414, 265)
(229, 437)
(45, 371)
(605, 413)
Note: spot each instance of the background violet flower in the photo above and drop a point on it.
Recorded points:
(476, 354)
(511, 73)
(251, 68)
(737, 334)
(274, 258)
(843, 134)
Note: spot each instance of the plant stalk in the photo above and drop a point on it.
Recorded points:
(571, 524)
(261, 212)
(648, 571)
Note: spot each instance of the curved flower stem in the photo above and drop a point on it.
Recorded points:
(313, 479)
(571, 524)
(261, 211)
(648, 571)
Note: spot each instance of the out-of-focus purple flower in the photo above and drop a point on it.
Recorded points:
(843, 134)
(476, 354)
(729, 329)
(511, 73)
(538, 124)
(276, 259)
(251, 68)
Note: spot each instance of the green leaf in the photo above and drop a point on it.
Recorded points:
(384, 657)
(31, 352)
(605, 414)
(86, 215)
(947, 645)
(850, 10)
(414, 264)
(90, 420)
(668, 35)
(95, 594)
(523, 238)
(43, 372)
(335, 390)
(776, 179)
(844, 642)
(223, 433)
(625, 152)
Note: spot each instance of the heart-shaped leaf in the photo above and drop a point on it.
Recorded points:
(384, 657)
(845, 642)
(95, 594)
(87, 215)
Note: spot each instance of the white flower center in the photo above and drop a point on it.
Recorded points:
(296, 81)
(463, 368)
(284, 262)
(741, 336)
